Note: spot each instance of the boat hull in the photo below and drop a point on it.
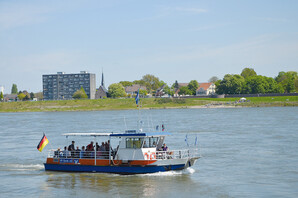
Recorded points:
(112, 169)
(121, 169)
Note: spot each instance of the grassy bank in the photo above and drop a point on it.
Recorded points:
(149, 103)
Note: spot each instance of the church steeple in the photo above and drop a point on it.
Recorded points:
(102, 80)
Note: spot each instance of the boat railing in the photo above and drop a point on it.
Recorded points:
(177, 154)
(80, 154)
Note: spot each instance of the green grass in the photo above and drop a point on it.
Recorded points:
(150, 103)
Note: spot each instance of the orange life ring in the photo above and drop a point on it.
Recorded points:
(152, 156)
(146, 156)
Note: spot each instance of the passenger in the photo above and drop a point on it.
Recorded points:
(106, 146)
(66, 153)
(71, 148)
(102, 147)
(145, 145)
(97, 146)
(77, 152)
(154, 144)
(82, 152)
(164, 147)
(109, 145)
(60, 153)
(90, 147)
(57, 153)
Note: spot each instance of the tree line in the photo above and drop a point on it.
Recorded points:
(248, 82)
(23, 95)
(152, 84)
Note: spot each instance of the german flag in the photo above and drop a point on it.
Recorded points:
(43, 142)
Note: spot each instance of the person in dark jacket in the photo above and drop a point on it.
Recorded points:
(71, 148)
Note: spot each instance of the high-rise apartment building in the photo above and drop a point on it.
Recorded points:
(62, 86)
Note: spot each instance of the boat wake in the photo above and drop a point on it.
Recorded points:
(21, 167)
(172, 173)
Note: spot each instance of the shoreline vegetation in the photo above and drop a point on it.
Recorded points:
(146, 103)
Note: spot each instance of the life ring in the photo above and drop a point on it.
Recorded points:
(152, 156)
(146, 156)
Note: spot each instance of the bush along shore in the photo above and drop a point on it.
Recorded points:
(146, 103)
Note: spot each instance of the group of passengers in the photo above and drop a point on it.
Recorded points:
(102, 151)
(162, 148)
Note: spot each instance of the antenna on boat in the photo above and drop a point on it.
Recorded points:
(125, 123)
(139, 113)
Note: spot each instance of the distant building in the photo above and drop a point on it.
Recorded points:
(101, 92)
(133, 89)
(10, 97)
(205, 89)
(62, 86)
(176, 94)
(160, 91)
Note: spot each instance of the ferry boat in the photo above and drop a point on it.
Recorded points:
(137, 153)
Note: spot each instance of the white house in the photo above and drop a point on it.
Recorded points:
(205, 89)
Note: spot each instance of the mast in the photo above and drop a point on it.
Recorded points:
(137, 102)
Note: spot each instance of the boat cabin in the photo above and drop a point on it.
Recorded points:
(139, 146)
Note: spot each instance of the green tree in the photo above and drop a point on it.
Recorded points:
(116, 90)
(32, 95)
(139, 82)
(39, 95)
(169, 91)
(21, 96)
(184, 91)
(26, 97)
(14, 89)
(151, 82)
(230, 84)
(247, 72)
(161, 83)
(296, 84)
(143, 92)
(274, 87)
(80, 94)
(255, 85)
(213, 79)
(1, 96)
(287, 80)
(193, 86)
(126, 83)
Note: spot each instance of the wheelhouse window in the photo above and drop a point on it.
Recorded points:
(134, 142)
(150, 142)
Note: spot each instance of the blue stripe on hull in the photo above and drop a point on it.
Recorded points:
(113, 169)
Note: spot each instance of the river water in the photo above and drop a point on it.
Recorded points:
(246, 152)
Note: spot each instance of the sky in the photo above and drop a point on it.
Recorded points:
(127, 39)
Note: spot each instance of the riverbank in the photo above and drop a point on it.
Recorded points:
(147, 103)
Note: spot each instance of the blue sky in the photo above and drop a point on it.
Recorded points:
(173, 40)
